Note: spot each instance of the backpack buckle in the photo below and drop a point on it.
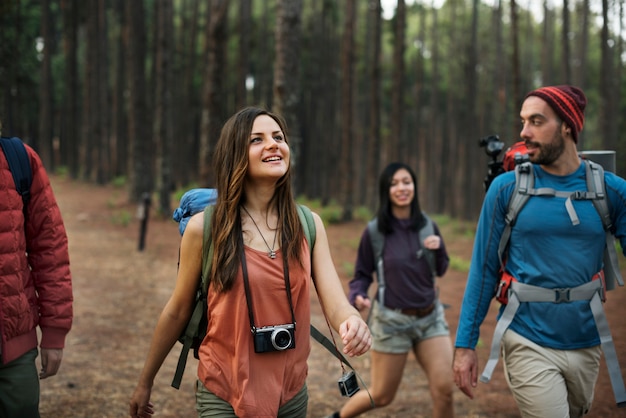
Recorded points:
(561, 295)
(579, 195)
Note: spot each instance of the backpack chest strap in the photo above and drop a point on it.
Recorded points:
(591, 291)
(569, 197)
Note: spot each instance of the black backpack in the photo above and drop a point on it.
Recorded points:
(19, 164)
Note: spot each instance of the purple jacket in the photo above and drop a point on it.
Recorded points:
(408, 281)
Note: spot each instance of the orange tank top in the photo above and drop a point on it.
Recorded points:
(257, 384)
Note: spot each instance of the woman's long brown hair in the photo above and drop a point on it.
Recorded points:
(230, 162)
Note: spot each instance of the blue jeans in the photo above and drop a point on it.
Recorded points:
(19, 387)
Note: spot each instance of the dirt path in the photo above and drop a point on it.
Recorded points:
(119, 293)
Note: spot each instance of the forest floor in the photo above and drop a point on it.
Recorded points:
(119, 292)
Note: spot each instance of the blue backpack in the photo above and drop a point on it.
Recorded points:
(203, 199)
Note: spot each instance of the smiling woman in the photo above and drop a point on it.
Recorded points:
(261, 290)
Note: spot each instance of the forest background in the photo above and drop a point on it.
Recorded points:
(136, 92)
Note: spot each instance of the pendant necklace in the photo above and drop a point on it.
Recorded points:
(271, 253)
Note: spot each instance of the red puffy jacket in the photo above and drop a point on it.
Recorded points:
(35, 280)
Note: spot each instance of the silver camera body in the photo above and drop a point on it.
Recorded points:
(274, 338)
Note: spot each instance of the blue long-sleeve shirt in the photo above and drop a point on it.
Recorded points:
(545, 249)
(408, 280)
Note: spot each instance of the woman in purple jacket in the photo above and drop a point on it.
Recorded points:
(406, 314)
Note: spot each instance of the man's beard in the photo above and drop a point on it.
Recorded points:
(550, 152)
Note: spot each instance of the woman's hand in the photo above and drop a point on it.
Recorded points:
(140, 405)
(432, 242)
(362, 303)
(355, 336)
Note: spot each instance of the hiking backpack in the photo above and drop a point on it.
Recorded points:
(192, 202)
(378, 245)
(511, 293)
(596, 192)
(19, 164)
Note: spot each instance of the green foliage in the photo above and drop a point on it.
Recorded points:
(121, 218)
(455, 226)
(459, 264)
(348, 269)
(330, 214)
(119, 182)
(363, 213)
(61, 171)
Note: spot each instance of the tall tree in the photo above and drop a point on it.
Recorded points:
(263, 51)
(213, 111)
(187, 97)
(374, 134)
(102, 150)
(470, 183)
(141, 166)
(566, 60)
(347, 71)
(119, 125)
(243, 66)
(515, 62)
(163, 105)
(70, 112)
(580, 76)
(44, 142)
(547, 45)
(396, 143)
(287, 72)
(607, 84)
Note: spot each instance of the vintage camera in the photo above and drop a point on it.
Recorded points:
(274, 338)
(348, 385)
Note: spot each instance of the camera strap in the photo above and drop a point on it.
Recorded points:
(246, 285)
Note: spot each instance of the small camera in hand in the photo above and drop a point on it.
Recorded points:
(348, 385)
(274, 338)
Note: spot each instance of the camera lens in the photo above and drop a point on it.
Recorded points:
(281, 339)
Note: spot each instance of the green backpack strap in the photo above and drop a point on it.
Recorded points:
(306, 218)
(308, 223)
(198, 320)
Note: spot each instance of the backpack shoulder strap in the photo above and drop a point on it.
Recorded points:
(594, 174)
(192, 331)
(377, 239)
(524, 182)
(425, 231)
(308, 224)
(19, 164)
(207, 249)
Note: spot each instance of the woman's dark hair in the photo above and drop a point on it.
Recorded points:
(384, 214)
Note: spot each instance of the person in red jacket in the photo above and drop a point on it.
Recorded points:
(35, 289)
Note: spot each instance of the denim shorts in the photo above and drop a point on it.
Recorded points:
(396, 333)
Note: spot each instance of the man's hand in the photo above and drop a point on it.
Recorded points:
(465, 368)
(50, 361)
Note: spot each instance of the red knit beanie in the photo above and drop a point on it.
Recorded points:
(568, 102)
